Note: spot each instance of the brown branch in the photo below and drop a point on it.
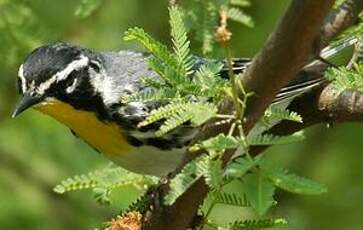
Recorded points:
(285, 53)
(342, 18)
(325, 105)
(341, 106)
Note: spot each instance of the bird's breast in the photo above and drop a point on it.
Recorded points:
(107, 137)
(104, 136)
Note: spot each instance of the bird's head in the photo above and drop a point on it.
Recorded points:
(58, 73)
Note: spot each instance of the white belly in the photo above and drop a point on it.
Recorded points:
(150, 160)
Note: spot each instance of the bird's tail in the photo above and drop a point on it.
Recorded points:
(304, 81)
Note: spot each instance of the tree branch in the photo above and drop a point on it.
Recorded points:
(342, 18)
(326, 105)
(285, 53)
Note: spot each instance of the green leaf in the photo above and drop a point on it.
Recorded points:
(104, 181)
(259, 192)
(77, 182)
(159, 50)
(163, 112)
(240, 166)
(231, 199)
(238, 15)
(218, 143)
(295, 184)
(179, 112)
(208, 80)
(87, 7)
(241, 3)
(276, 113)
(163, 95)
(257, 224)
(173, 122)
(269, 139)
(344, 78)
(180, 40)
(193, 171)
(201, 113)
(213, 173)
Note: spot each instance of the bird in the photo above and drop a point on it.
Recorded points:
(82, 89)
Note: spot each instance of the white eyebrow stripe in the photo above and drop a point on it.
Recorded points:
(75, 65)
(22, 78)
(62, 75)
(45, 85)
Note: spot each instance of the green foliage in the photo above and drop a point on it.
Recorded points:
(259, 192)
(275, 113)
(103, 182)
(213, 173)
(179, 112)
(338, 3)
(178, 89)
(18, 24)
(22, 28)
(26, 24)
(344, 78)
(87, 7)
(269, 139)
(218, 143)
(193, 95)
(193, 171)
(240, 166)
(237, 15)
(294, 184)
(208, 82)
(353, 31)
(257, 224)
(163, 62)
(231, 199)
(180, 42)
(203, 18)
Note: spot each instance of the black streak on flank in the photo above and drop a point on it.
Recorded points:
(134, 141)
(163, 144)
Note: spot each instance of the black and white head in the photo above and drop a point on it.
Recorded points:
(59, 72)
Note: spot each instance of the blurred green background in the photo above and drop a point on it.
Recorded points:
(36, 152)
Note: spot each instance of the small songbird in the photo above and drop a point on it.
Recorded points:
(83, 89)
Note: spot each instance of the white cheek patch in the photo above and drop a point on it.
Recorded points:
(22, 79)
(62, 75)
(104, 86)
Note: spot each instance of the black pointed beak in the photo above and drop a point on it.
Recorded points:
(26, 102)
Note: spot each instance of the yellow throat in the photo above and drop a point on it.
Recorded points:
(105, 137)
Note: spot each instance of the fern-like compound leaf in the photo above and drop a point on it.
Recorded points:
(232, 199)
(259, 192)
(293, 183)
(270, 139)
(183, 180)
(266, 223)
